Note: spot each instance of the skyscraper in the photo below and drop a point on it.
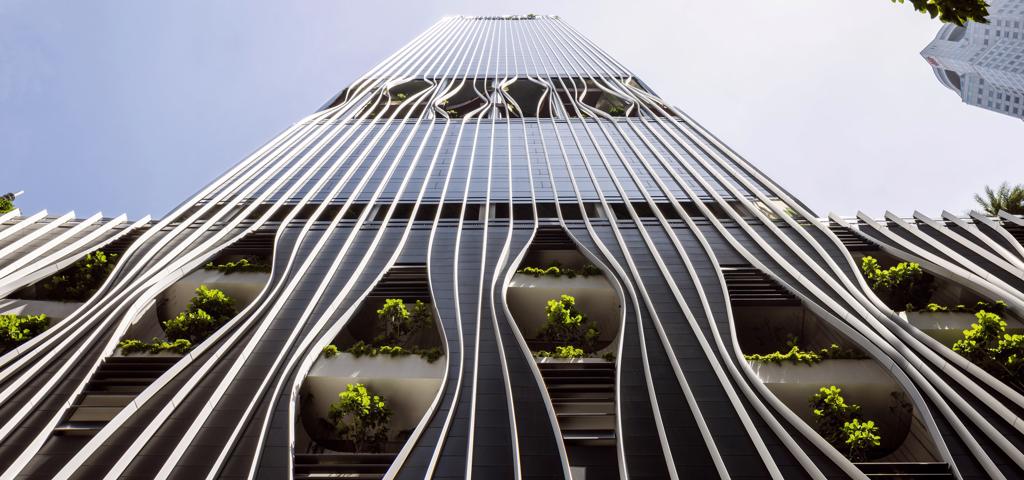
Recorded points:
(500, 254)
(984, 63)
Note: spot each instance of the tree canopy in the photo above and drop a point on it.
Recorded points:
(956, 12)
(1006, 198)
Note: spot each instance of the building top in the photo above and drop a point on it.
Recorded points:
(500, 46)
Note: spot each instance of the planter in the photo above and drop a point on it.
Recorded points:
(863, 382)
(242, 287)
(528, 295)
(55, 310)
(948, 327)
(570, 360)
(408, 383)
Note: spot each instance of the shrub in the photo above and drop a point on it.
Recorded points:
(839, 423)
(987, 345)
(566, 351)
(15, 329)
(609, 356)
(795, 355)
(557, 270)
(399, 324)
(243, 265)
(859, 438)
(361, 417)
(81, 279)
(568, 326)
(904, 286)
(330, 351)
(131, 345)
(6, 202)
(208, 310)
(998, 307)
(616, 111)
(214, 302)
(361, 348)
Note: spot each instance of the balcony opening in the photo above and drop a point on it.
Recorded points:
(796, 354)
(397, 101)
(391, 347)
(576, 358)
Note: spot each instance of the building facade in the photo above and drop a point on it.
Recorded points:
(593, 286)
(984, 63)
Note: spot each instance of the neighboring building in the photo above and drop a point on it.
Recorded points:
(470, 171)
(984, 63)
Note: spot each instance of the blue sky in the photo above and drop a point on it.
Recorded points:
(120, 106)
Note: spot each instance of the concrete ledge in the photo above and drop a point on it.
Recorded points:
(948, 327)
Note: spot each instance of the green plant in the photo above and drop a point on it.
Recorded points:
(209, 309)
(1004, 198)
(904, 286)
(795, 355)
(398, 323)
(616, 111)
(987, 345)
(997, 307)
(6, 202)
(15, 329)
(362, 348)
(839, 423)
(956, 12)
(362, 418)
(243, 265)
(81, 279)
(860, 437)
(131, 345)
(330, 351)
(568, 326)
(401, 96)
(557, 270)
(609, 356)
(452, 113)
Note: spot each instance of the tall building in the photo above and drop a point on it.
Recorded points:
(984, 63)
(590, 285)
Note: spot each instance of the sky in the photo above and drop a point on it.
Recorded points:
(132, 107)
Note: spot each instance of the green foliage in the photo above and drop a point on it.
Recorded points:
(398, 324)
(568, 326)
(609, 356)
(209, 309)
(401, 96)
(831, 412)
(361, 417)
(997, 307)
(987, 345)
(80, 280)
(956, 12)
(566, 351)
(616, 111)
(839, 423)
(243, 265)
(557, 270)
(362, 348)
(1004, 198)
(904, 286)
(6, 202)
(860, 437)
(131, 345)
(330, 351)
(15, 329)
(795, 355)
(452, 113)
